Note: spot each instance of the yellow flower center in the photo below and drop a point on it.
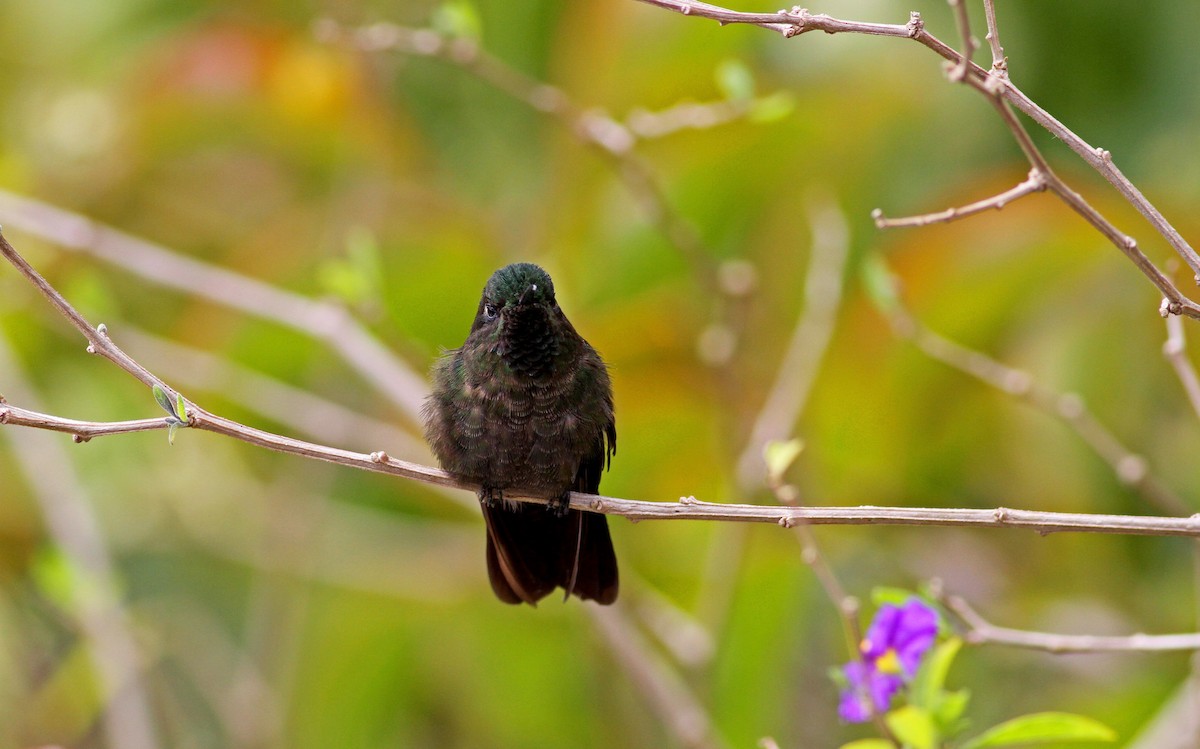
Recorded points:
(889, 662)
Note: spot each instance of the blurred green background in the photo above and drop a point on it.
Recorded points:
(273, 602)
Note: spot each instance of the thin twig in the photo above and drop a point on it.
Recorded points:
(999, 61)
(981, 632)
(1175, 349)
(82, 430)
(1034, 183)
(799, 21)
(1176, 302)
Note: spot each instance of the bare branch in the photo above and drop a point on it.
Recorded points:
(690, 508)
(82, 430)
(1034, 183)
(982, 632)
(799, 21)
(999, 61)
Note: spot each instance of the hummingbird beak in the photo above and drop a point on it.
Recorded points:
(532, 287)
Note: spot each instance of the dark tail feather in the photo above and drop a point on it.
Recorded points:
(530, 553)
(589, 561)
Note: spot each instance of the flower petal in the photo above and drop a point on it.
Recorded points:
(882, 632)
(864, 682)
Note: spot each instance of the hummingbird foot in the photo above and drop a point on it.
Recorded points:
(491, 496)
(558, 506)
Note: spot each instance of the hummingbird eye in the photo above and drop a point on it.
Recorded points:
(490, 311)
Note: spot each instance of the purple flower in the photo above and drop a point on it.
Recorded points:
(863, 682)
(898, 638)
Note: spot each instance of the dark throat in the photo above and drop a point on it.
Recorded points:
(530, 341)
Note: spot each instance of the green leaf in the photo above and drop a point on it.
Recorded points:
(171, 432)
(880, 284)
(735, 80)
(358, 277)
(55, 577)
(458, 18)
(772, 108)
(913, 727)
(881, 595)
(1041, 728)
(160, 396)
(948, 714)
(181, 409)
(868, 744)
(929, 683)
(780, 455)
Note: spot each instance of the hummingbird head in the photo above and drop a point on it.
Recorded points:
(519, 313)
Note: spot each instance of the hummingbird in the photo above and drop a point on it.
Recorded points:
(526, 404)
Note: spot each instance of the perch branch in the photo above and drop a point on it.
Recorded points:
(686, 509)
